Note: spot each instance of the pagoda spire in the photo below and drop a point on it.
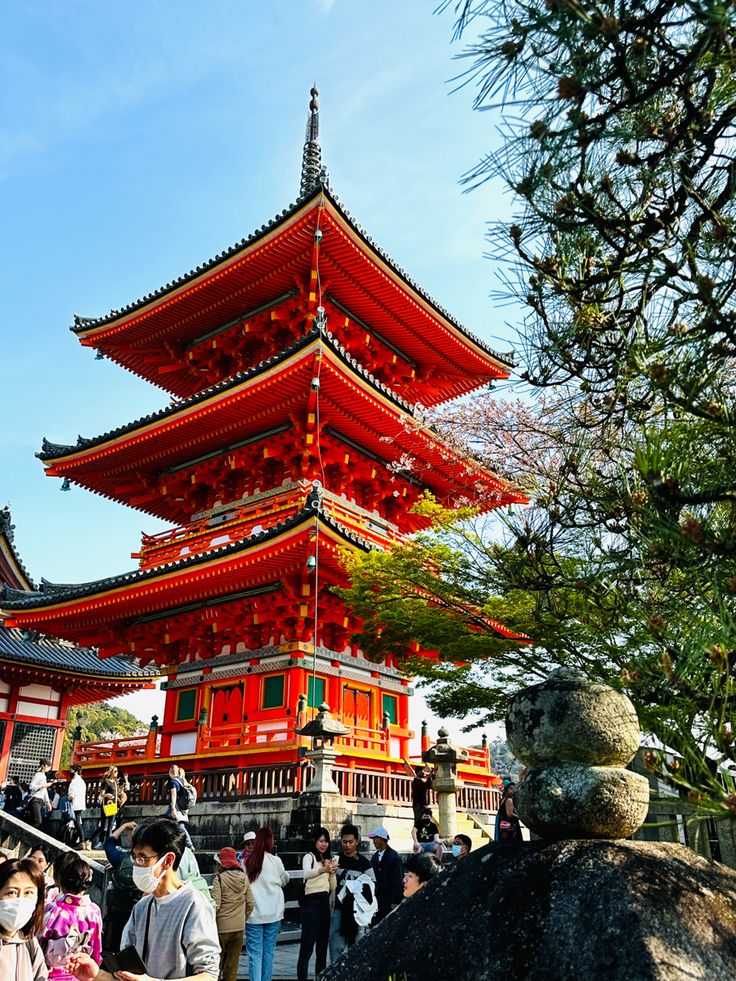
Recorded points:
(312, 171)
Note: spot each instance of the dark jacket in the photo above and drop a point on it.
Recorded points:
(389, 874)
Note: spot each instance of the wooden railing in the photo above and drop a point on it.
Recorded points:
(213, 740)
(280, 780)
(361, 737)
(206, 534)
(289, 780)
(114, 752)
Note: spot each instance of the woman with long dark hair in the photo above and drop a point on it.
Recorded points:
(108, 801)
(267, 878)
(22, 895)
(319, 867)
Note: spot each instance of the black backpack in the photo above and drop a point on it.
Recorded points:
(182, 796)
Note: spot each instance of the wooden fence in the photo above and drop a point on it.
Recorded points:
(290, 779)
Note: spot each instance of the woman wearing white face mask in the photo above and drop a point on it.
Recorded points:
(22, 895)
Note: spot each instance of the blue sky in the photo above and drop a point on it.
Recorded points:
(138, 140)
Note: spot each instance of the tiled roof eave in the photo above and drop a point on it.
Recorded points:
(54, 451)
(52, 593)
(83, 661)
(82, 325)
(7, 529)
(507, 360)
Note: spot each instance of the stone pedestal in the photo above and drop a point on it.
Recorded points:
(576, 736)
(323, 759)
(318, 810)
(446, 790)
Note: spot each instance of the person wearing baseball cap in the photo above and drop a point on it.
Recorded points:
(388, 871)
(246, 846)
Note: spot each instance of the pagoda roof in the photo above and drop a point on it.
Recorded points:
(150, 335)
(12, 570)
(60, 655)
(244, 406)
(24, 652)
(54, 451)
(75, 608)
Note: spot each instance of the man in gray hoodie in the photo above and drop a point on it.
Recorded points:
(173, 927)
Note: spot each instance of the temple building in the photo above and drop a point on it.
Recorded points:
(299, 364)
(41, 679)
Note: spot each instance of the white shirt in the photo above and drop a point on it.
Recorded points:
(268, 891)
(77, 793)
(37, 788)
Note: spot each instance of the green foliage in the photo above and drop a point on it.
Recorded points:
(101, 721)
(618, 125)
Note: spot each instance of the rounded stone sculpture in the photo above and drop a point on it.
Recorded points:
(559, 800)
(569, 718)
(575, 735)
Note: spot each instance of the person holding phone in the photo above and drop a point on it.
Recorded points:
(319, 869)
(39, 803)
(171, 932)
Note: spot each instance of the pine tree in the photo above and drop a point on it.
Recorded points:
(618, 123)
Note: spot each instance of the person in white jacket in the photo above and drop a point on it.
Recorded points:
(77, 794)
(267, 878)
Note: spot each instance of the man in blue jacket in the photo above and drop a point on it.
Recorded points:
(389, 874)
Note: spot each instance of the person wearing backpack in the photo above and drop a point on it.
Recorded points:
(190, 789)
(234, 903)
(178, 797)
(123, 893)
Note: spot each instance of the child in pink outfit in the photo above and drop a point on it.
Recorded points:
(72, 922)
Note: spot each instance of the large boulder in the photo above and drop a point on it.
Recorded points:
(574, 911)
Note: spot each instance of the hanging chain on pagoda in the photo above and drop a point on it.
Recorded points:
(316, 504)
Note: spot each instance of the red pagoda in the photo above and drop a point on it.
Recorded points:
(298, 362)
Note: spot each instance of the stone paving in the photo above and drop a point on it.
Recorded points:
(284, 963)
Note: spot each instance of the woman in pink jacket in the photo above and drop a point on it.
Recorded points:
(72, 922)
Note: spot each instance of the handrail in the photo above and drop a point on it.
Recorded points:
(21, 839)
(202, 533)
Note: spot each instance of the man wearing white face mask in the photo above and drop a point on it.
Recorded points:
(173, 927)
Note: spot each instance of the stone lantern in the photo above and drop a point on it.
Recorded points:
(323, 730)
(444, 757)
(576, 737)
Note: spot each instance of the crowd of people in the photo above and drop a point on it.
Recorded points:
(49, 791)
(163, 921)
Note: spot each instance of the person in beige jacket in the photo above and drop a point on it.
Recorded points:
(233, 905)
